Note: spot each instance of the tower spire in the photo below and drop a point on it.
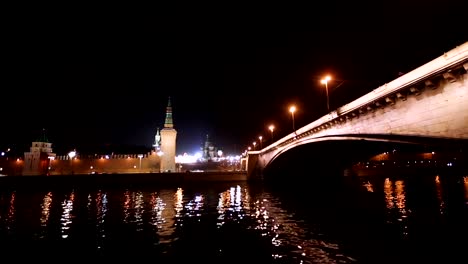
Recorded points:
(168, 122)
(43, 137)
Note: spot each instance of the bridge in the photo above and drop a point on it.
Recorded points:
(428, 104)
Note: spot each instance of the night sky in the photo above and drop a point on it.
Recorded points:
(103, 76)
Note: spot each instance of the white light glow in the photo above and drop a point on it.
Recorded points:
(187, 158)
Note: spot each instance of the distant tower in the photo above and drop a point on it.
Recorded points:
(157, 141)
(168, 142)
(208, 149)
(38, 160)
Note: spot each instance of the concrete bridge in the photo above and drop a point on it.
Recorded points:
(428, 104)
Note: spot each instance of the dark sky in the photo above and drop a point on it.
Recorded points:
(103, 75)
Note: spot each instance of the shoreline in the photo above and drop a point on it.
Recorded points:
(388, 171)
(123, 179)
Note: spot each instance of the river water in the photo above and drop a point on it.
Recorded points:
(347, 220)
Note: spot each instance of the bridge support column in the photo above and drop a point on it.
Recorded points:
(254, 168)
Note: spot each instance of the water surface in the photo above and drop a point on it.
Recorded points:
(363, 220)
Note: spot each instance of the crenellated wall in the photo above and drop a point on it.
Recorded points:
(63, 165)
(131, 163)
(11, 166)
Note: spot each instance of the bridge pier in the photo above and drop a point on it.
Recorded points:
(254, 167)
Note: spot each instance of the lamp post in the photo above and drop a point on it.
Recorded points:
(292, 109)
(254, 143)
(260, 138)
(140, 156)
(160, 153)
(49, 168)
(271, 128)
(325, 81)
(71, 154)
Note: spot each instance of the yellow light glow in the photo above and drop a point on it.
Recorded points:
(326, 79)
(465, 180)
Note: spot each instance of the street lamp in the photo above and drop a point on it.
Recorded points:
(271, 127)
(51, 158)
(71, 154)
(140, 156)
(260, 138)
(160, 153)
(325, 81)
(292, 109)
(254, 143)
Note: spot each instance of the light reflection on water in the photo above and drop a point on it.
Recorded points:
(465, 180)
(439, 194)
(232, 205)
(67, 215)
(396, 204)
(46, 209)
(235, 219)
(45, 214)
(8, 213)
(101, 211)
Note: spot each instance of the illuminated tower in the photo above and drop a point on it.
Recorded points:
(168, 142)
(39, 158)
(157, 141)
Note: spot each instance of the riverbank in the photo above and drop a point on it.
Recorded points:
(122, 179)
(405, 171)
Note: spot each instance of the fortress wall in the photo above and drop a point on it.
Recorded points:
(149, 163)
(11, 166)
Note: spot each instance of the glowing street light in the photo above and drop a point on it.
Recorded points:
(254, 143)
(260, 138)
(292, 109)
(325, 81)
(271, 128)
(51, 158)
(71, 154)
(140, 156)
(160, 154)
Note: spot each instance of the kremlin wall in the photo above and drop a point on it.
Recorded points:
(40, 159)
(92, 164)
(159, 164)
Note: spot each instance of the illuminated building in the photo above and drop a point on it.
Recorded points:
(168, 142)
(38, 159)
(209, 150)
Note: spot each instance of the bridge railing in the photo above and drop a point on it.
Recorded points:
(437, 66)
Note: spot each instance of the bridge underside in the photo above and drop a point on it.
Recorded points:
(332, 157)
